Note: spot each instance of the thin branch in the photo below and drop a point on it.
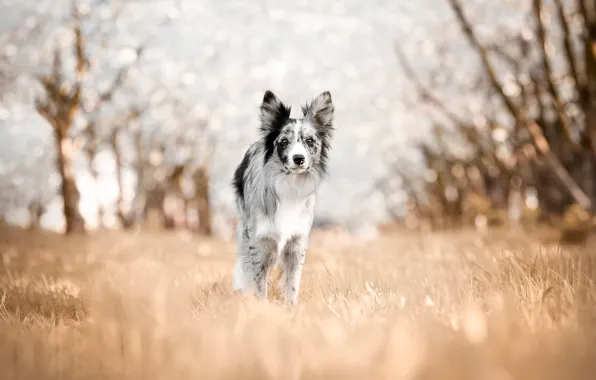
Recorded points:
(568, 43)
(483, 53)
(425, 93)
(516, 63)
(548, 72)
(116, 84)
(79, 45)
(589, 39)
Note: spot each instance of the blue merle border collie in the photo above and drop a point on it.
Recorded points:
(275, 187)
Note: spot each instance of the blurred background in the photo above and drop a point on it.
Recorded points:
(449, 113)
(121, 125)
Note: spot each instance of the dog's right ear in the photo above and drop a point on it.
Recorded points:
(320, 111)
(274, 113)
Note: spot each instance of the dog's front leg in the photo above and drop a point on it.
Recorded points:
(293, 256)
(262, 255)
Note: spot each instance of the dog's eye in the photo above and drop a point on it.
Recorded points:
(310, 142)
(284, 142)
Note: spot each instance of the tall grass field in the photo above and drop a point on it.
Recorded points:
(500, 305)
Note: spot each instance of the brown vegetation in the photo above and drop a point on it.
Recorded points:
(534, 135)
(160, 306)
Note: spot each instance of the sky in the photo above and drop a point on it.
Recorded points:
(227, 53)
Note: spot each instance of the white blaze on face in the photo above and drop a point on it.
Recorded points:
(297, 146)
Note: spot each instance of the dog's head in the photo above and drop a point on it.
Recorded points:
(300, 144)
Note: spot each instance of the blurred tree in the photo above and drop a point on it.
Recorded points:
(118, 129)
(536, 132)
(59, 106)
(99, 107)
(61, 103)
(170, 161)
(95, 131)
(180, 168)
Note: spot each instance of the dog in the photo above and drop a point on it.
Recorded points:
(275, 186)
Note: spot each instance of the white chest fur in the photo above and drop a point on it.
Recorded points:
(293, 217)
(293, 210)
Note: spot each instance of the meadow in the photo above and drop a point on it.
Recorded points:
(505, 304)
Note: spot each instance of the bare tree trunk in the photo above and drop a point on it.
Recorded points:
(95, 175)
(100, 209)
(169, 214)
(91, 151)
(69, 191)
(588, 172)
(185, 209)
(36, 211)
(201, 178)
(125, 221)
(173, 198)
(140, 198)
(155, 202)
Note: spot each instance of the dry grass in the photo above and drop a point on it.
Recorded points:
(445, 306)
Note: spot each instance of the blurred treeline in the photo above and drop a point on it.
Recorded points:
(529, 155)
(168, 161)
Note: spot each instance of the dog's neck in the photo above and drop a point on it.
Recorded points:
(295, 186)
(290, 186)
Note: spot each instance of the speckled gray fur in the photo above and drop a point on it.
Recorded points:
(275, 187)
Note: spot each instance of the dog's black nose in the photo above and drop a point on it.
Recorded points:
(298, 159)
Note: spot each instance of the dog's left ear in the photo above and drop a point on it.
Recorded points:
(273, 113)
(320, 111)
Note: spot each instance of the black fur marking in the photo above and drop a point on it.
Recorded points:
(282, 153)
(238, 181)
(288, 133)
(273, 134)
(274, 115)
(269, 97)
